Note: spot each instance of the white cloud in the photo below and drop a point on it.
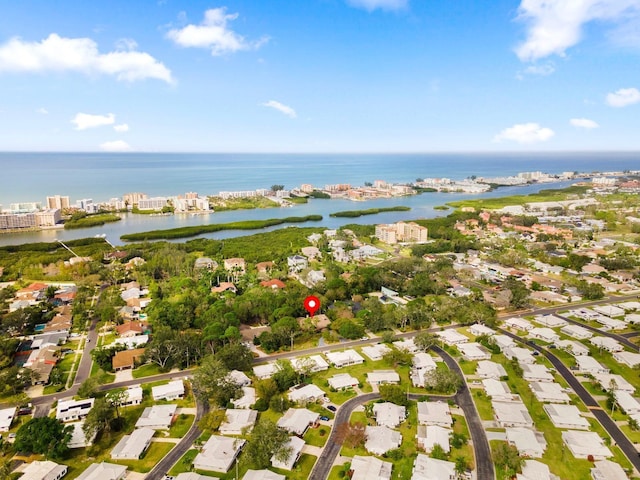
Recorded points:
(121, 128)
(83, 121)
(583, 123)
(56, 53)
(525, 133)
(213, 33)
(555, 25)
(42, 111)
(288, 111)
(623, 97)
(115, 146)
(371, 5)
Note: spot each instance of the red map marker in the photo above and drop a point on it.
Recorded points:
(311, 304)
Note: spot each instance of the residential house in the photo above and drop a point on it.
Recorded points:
(370, 468)
(312, 364)
(518, 323)
(127, 358)
(265, 370)
(78, 438)
(247, 399)
(607, 470)
(254, 475)
(6, 418)
(427, 468)
(586, 445)
(608, 381)
(305, 394)
(381, 439)
(132, 396)
(130, 329)
(344, 358)
(381, 377)
(534, 470)
(428, 436)
(536, 373)
(71, 410)
(343, 381)
(627, 358)
(499, 391)
(218, 454)
(273, 284)
(239, 378)
(224, 287)
(236, 266)
(587, 364)
(489, 369)
(550, 321)
(452, 337)
(43, 470)
(572, 347)
(171, 391)
(549, 392)
(545, 334)
(389, 414)
(478, 329)
(512, 414)
(311, 252)
(407, 345)
(205, 263)
(522, 355)
(298, 420)
(132, 343)
(566, 416)
(434, 413)
(295, 444)
(132, 447)
(264, 267)
(422, 363)
(104, 471)
(627, 402)
(158, 417)
(503, 341)
(528, 442)
(238, 421)
(297, 263)
(376, 352)
(474, 351)
(609, 310)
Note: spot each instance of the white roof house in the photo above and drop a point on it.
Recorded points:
(607, 343)
(627, 402)
(545, 334)
(407, 345)
(70, 410)
(549, 392)
(370, 468)
(238, 421)
(45, 470)
(342, 381)
(295, 444)
(297, 420)
(572, 347)
(430, 435)
(306, 393)
(389, 414)
(528, 442)
(132, 342)
(6, 418)
(434, 413)
(518, 323)
(247, 399)
(381, 377)
(423, 361)
(170, 391)
(583, 444)
(313, 364)
(426, 468)
(240, 378)
(218, 454)
(632, 318)
(607, 470)
(627, 358)
(452, 337)
(489, 369)
(587, 364)
(512, 414)
(133, 396)
(629, 306)
(381, 439)
(478, 329)
(131, 447)
(78, 437)
(503, 341)
(498, 391)
(473, 351)
(536, 372)
(566, 416)
(157, 417)
(534, 470)
(376, 352)
(104, 471)
(576, 331)
(610, 323)
(197, 476)
(618, 382)
(260, 475)
(521, 355)
(550, 321)
(344, 358)
(265, 371)
(609, 310)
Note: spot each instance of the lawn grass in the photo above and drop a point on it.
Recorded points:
(317, 436)
(483, 404)
(181, 426)
(547, 195)
(184, 464)
(146, 370)
(301, 470)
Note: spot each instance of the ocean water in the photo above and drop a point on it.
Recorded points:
(34, 176)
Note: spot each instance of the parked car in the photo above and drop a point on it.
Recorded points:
(331, 407)
(324, 418)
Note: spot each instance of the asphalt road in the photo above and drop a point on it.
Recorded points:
(605, 420)
(481, 449)
(163, 466)
(620, 338)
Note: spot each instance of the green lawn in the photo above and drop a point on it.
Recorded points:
(483, 403)
(146, 370)
(181, 426)
(317, 436)
(184, 464)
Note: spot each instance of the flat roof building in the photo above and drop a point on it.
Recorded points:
(370, 468)
(426, 468)
(489, 369)
(381, 439)
(104, 471)
(382, 377)
(218, 454)
(238, 421)
(343, 381)
(428, 436)
(434, 413)
(171, 391)
(566, 416)
(70, 410)
(344, 358)
(306, 394)
(550, 392)
(586, 444)
(131, 447)
(389, 414)
(43, 470)
(158, 417)
(295, 444)
(512, 414)
(298, 420)
(528, 442)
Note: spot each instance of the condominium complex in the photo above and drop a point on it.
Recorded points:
(58, 201)
(401, 232)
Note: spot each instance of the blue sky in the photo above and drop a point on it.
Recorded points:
(320, 75)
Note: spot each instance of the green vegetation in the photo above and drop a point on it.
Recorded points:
(370, 211)
(221, 205)
(184, 232)
(83, 220)
(441, 207)
(319, 194)
(547, 195)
